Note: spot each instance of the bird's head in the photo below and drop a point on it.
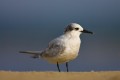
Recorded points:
(76, 29)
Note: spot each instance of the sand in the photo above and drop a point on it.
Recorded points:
(102, 75)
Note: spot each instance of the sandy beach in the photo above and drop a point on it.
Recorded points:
(33, 75)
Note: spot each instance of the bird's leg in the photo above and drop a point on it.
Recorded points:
(67, 66)
(58, 66)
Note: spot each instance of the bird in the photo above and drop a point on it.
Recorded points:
(64, 48)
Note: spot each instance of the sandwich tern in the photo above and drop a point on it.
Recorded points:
(63, 48)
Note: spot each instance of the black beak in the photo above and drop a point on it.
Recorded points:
(86, 31)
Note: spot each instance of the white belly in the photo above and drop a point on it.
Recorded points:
(62, 58)
(68, 55)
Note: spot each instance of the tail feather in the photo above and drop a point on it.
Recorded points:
(35, 54)
(30, 52)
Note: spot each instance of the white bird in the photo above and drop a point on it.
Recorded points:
(63, 48)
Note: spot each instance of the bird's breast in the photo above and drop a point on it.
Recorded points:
(73, 45)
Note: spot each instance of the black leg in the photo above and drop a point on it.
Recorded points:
(67, 66)
(58, 66)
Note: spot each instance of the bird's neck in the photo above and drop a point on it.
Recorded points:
(72, 34)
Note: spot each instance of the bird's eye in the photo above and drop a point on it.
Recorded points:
(76, 28)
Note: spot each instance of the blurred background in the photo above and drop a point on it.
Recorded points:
(31, 24)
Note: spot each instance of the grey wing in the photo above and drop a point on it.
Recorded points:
(55, 48)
